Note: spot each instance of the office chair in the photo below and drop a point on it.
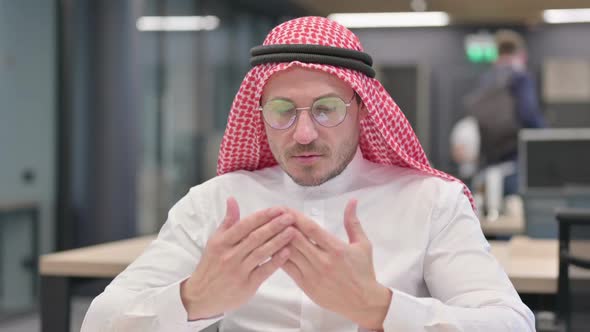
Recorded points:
(573, 294)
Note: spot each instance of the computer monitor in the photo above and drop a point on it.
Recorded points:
(554, 172)
(551, 159)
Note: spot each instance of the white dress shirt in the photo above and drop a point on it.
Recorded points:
(428, 248)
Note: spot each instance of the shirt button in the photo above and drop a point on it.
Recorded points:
(315, 212)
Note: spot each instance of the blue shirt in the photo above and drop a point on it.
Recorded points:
(524, 90)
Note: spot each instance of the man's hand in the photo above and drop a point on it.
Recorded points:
(234, 262)
(338, 276)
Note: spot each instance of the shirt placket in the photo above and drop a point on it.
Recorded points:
(311, 313)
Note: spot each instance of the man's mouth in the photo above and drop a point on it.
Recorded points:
(307, 158)
(307, 155)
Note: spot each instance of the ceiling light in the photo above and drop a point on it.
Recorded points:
(177, 23)
(555, 16)
(391, 20)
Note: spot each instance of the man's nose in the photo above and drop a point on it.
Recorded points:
(305, 129)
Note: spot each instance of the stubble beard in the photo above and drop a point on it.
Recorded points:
(344, 156)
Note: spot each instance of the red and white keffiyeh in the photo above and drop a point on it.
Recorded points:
(386, 135)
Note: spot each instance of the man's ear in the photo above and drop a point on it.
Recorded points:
(363, 111)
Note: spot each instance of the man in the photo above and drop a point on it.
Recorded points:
(504, 102)
(325, 217)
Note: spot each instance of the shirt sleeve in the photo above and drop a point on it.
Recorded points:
(146, 296)
(469, 289)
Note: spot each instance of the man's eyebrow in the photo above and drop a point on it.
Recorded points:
(330, 94)
(280, 98)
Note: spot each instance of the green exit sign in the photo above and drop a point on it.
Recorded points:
(481, 48)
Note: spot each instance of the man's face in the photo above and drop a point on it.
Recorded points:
(308, 152)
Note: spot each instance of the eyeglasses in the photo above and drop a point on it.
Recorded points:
(326, 111)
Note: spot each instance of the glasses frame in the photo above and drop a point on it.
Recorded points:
(298, 110)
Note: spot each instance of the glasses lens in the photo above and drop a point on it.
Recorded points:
(329, 111)
(279, 113)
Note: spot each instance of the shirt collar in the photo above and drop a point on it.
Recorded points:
(337, 185)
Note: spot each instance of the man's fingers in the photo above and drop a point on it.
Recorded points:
(314, 232)
(260, 236)
(232, 213)
(310, 251)
(261, 273)
(268, 249)
(293, 271)
(352, 224)
(250, 223)
(303, 263)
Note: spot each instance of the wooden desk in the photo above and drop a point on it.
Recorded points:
(531, 265)
(510, 222)
(100, 261)
(503, 226)
(58, 270)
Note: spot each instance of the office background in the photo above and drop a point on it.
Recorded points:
(103, 126)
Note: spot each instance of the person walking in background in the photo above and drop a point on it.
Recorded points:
(504, 102)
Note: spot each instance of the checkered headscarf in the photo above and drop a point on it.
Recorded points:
(386, 136)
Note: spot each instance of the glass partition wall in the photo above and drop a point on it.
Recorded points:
(193, 58)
